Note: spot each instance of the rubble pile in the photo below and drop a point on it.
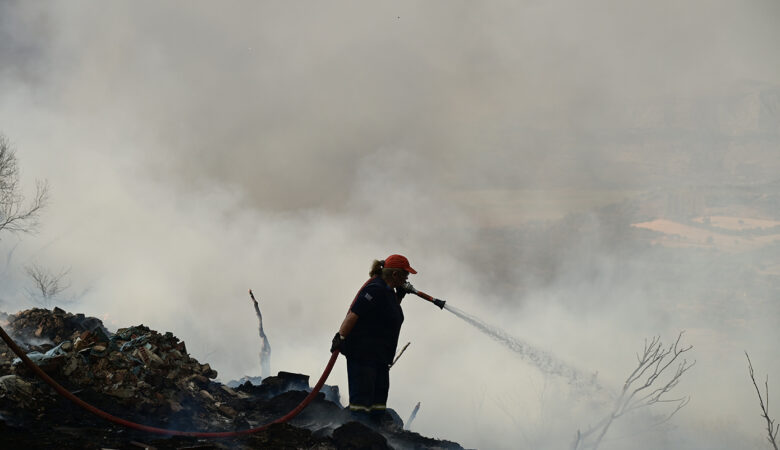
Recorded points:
(54, 325)
(147, 377)
(38, 329)
(138, 368)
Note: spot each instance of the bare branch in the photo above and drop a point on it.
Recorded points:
(642, 388)
(576, 444)
(681, 402)
(772, 428)
(46, 284)
(265, 346)
(14, 217)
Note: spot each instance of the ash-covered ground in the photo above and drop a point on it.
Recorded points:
(147, 377)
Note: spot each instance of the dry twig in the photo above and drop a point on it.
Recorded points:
(13, 216)
(46, 284)
(771, 427)
(644, 388)
(265, 346)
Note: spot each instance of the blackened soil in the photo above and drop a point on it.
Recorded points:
(146, 377)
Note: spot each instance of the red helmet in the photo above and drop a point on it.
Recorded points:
(398, 262)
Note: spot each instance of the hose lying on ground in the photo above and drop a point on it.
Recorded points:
(137, 426)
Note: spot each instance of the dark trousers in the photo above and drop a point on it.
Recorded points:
(368, 386)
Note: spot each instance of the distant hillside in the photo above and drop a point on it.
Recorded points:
(731, 137)
(652, 232)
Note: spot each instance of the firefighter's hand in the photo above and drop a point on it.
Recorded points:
(404, 289)
(337, 342)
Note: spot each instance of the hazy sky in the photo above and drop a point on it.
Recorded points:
(197, 150)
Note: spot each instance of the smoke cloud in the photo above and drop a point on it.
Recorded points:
(197, 151)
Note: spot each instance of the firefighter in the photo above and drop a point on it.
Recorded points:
(368, 337)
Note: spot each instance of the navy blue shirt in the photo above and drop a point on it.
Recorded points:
(375, 336)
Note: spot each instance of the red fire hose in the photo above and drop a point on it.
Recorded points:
(137, 426)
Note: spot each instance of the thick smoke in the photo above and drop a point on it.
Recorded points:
(195, 151)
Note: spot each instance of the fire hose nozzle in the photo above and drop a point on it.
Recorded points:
(409, 288)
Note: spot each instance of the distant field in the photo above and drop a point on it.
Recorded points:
(676, 234)
(509, 207)
(770, 270)
(737, 223)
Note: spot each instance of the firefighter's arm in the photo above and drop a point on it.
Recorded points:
(346, 326)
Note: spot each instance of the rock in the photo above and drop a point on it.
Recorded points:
(175, 406)
(332, 394)
(273, 386)
(356, 436)
(229, 390)
(100, 335)
(207, 371)
(70, 366)
(207, 396)
(390, 420)
(256, 381)
(152, 357)
(78, 344)
(197, 379)
(285, 436)
(227, 410)
(122, 393)
(12, 385)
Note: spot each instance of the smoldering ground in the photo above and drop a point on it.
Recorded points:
(194, 153)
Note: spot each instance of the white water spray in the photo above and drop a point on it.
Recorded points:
(544, 361)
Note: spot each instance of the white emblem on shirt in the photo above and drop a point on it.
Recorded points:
(369, 297)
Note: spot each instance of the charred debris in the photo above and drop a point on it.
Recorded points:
(147, 377)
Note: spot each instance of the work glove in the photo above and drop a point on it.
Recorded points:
(337, 343)
(401, 291)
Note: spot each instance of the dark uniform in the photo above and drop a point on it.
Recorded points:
(370, 346)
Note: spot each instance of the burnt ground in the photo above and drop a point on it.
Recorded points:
(147, 377)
